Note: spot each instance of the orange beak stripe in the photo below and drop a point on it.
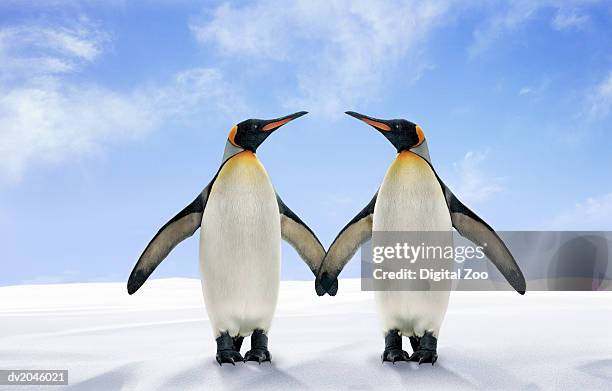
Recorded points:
(274, 125)
(376, 124)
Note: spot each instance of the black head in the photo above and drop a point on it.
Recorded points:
(402, 134)
(251, 133)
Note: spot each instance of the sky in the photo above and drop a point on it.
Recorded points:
(114, 115)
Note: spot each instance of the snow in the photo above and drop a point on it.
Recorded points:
(160, 338)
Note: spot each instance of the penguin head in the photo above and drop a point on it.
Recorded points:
(403, 134)
(251, 133)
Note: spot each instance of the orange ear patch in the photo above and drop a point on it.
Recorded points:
(232, 135)
(376, 124)
(274, 125)
(420, 134)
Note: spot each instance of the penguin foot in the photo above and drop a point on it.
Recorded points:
(393, 355)
(424, 348)
(422, 356)
(237, 340)
(259, 355)
(226, 349)
(393, 348)
(229, 357)
(259, 348)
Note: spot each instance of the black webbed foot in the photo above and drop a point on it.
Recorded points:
(393, 348)
(425, 349)
(229, 357)
(259, 355)
(226, 352)
(237, 340)
(259, 348)
(395, 355)
(422, 356)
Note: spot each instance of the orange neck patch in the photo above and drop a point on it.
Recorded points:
(232, 136)
(420, 134)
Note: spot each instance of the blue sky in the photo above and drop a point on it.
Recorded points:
(114, 115)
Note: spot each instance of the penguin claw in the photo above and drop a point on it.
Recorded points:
(258, 355)
(424, 356)
(393, 355)
(228, 357)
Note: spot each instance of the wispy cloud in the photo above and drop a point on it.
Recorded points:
(569, 19)
(50, 121)
(38, 50)
(536, 91)
(473, 184)
(600, 98)
(514, 14)
(44, 117)
(340, 50)
(594, 213)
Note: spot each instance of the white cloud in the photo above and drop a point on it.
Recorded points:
(594, 213)
(33, 50)
(44, 117)
(50, 121)
(536, 91)
(473, 184)
(341, 50)
(569, 19)
(516, 13)
(600, 100)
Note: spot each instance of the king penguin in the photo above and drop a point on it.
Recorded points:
(242, 221)
(412, 198)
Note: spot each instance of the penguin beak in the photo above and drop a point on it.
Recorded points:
(273, 124)
(378, 124)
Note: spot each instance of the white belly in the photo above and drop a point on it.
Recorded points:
(410, 199)
(240, 248)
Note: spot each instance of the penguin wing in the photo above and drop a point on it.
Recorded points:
(475, 229)
(354, 234)
(300, 237)
(179, 228)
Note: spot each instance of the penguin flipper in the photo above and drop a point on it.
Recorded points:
(295, 232)
(351, 237)
(179, 228)
(475, 229)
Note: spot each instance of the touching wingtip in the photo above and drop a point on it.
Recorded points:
(522, 288)
(131, 289)
(517, 281)
(319, 289)
(135, 282)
